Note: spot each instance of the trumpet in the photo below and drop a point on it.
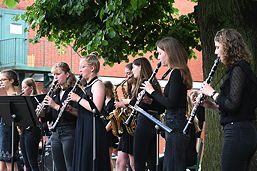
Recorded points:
(48, 94)
(64, 106)
(133, 113)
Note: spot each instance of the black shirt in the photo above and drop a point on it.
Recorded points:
(234, 98)
(175, 92)
(52, 114)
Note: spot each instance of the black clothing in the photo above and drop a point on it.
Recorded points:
(29, 141)
(83, 150)
(126, 142)
(62, 143)
(237, 116)
(175, 93)
(62, 139)
(145, 136)
(175, 102)
(234, 99)
(240, 144)
(200, 114)
(112, 140)
(67, 118)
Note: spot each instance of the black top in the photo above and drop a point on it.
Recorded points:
(175, 92)
(234, 99)
(107, 109)
(52, 114)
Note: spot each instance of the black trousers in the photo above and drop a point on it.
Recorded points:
(240, 144)
(144, 145)
(29, 141)
(62, 143)
(176, 142)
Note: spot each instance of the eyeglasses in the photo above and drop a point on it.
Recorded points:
(2, 80)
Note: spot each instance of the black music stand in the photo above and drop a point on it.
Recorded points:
(96, 113)
(17, 111)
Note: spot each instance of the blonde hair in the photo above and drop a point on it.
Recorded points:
(188, 114)
(92, 60)
(31, 83)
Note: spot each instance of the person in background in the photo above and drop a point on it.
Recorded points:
(125, 147)
(192, 150)
(9, 82)
(172, 54)
(236, 101)
(30, 136)
(108, 108)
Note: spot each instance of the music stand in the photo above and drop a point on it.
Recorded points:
(96, 113)
(17, 111)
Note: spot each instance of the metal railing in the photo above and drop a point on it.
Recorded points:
(19, 52)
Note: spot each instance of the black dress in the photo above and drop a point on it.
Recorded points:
(83, 151)
(108, 108)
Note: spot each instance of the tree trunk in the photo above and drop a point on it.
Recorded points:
(211, 16)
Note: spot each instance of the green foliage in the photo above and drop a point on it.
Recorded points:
(10, 3)
(114, 28)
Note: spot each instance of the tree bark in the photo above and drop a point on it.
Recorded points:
(211, 16)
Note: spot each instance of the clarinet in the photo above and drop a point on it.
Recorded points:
(48, 94)
(199, 98)
(53, 126)
(133, 113)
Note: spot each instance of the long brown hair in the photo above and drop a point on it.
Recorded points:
(109, 89)
(234, 46)
(145, 73)
(178, 58)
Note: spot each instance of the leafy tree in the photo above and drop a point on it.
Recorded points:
(10, 3)
(114, 28)
(211, 16)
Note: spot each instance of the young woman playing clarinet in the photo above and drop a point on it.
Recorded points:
(30, 136)
(172, 54)
(62, 139)
(235, 101)
(94, 91)
(9, 81)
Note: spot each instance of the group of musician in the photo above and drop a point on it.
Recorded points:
(82, 139)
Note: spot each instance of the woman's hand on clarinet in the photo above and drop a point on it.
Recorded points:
(207, 89)
(147, 87)
(73, 97)
(48, 101)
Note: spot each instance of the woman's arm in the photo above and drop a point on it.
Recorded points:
(231, 102)
(174, 87)
(98, 91)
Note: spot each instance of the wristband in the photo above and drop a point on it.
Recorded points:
(79, 100)
(213, 93)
